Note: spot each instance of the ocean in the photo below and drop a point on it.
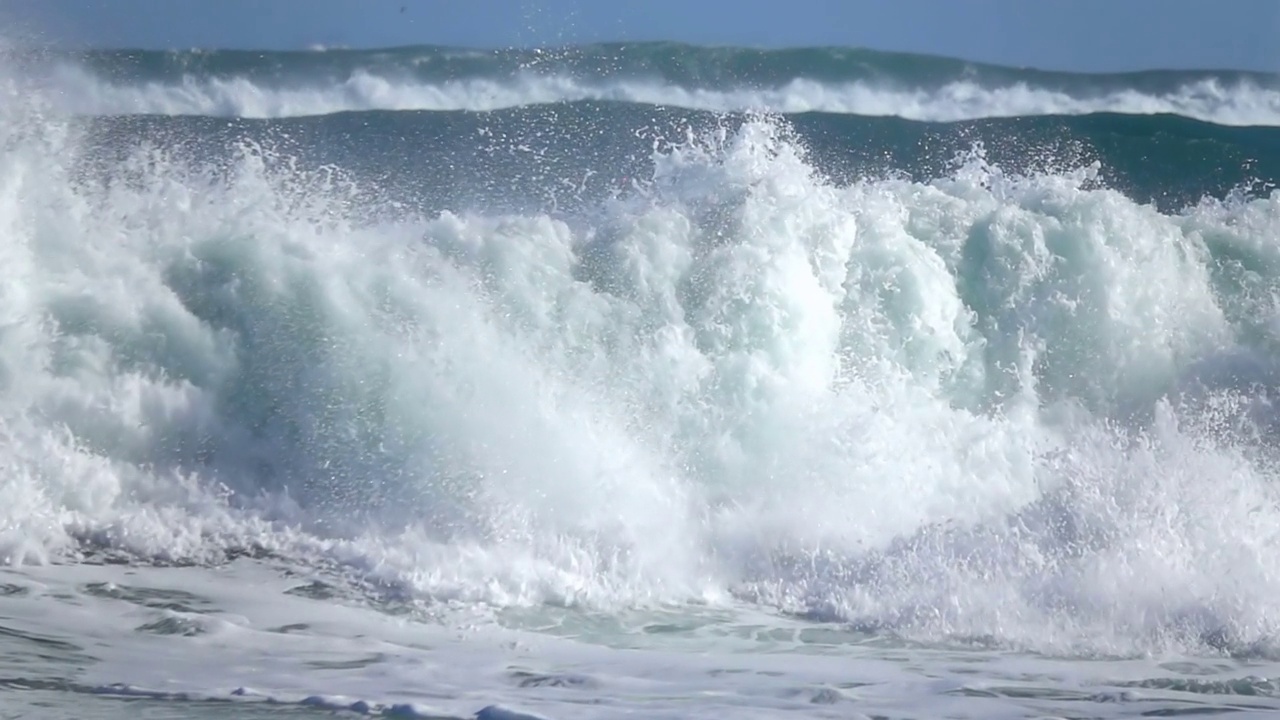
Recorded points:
(635, 380)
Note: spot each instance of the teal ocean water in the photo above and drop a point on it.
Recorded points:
(645, 379)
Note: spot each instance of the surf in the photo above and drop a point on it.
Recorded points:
(224, 83)
(977, 404)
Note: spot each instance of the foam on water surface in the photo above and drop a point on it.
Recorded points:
(263, 645)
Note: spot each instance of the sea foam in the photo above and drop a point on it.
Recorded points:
(979, 405)
(77, 90)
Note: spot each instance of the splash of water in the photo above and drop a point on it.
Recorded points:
(1019, 407)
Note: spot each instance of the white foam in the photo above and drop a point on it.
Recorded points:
(274, 648)
(933, 407)
(267, 646)
(76, 90)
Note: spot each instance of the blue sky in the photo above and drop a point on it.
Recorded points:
(1060, 34)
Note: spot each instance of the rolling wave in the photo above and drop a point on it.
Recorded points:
(848, 81)
(975, 405)
(571, 156)
(843, 367)
(300, 407)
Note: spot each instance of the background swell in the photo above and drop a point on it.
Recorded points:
(571, 155)
(228, 83)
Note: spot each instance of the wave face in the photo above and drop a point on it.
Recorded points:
(1009, 379)
(832, 80)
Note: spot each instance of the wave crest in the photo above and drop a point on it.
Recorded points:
(859, 82)
(984, 403)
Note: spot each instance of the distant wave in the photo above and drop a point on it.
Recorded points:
(847, 81)
(582, 152)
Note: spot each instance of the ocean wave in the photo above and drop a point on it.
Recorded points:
(262, 85)
(569, 157)
(978, 404)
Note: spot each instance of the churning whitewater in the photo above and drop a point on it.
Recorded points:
(585, 373)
